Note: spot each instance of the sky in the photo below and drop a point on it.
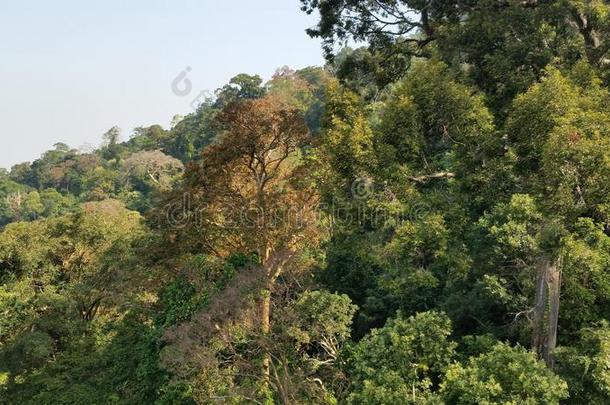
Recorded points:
(70, 70)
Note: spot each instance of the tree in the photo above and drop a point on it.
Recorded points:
(250, 194)
(112, 137)
(241, 87)
(32, 206)
(111, 142)
(307, 336)
(153, 168)
(98, 237)
(55, 203)
(302, 89)
(505, 375)
(585, 365)
(444, 128)
(503, 47)
(68, 309)
(22, 173)
(192, 133)
(404, 25)
(561, 158)
(401, 362)
(148, 138)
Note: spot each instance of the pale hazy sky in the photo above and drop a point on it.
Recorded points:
(69, 69)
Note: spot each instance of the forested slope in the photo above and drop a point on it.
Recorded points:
(425, 219)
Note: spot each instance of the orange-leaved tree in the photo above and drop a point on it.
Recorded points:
(252, 193)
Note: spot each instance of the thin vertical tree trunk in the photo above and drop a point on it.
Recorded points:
(273, 268)
(540, 306)
(554, 284)
(265, 330)
(266, 304)
(546, 309)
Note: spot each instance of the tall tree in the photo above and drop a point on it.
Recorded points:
(251, 194)
(502, 45)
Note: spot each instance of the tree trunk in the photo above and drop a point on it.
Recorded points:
(265, 330)
(546, 309)
(540, 306)
(273, 268)
(554, 283)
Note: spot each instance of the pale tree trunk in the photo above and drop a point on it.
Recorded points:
(540, 306)
(274, 266)
(265, 319)
(546, 309)
(265, 330)
(266, 313)
(554, 283)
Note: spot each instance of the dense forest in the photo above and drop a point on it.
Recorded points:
(423, 220)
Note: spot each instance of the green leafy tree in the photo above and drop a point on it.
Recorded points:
(241, 87)
(401, 362)
(504, 375)
(585, 365)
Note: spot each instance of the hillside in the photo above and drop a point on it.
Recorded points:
(423, 220)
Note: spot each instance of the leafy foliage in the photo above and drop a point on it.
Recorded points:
(504, 375)
(425, 219)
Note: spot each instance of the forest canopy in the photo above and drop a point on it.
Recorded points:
(423, 220)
